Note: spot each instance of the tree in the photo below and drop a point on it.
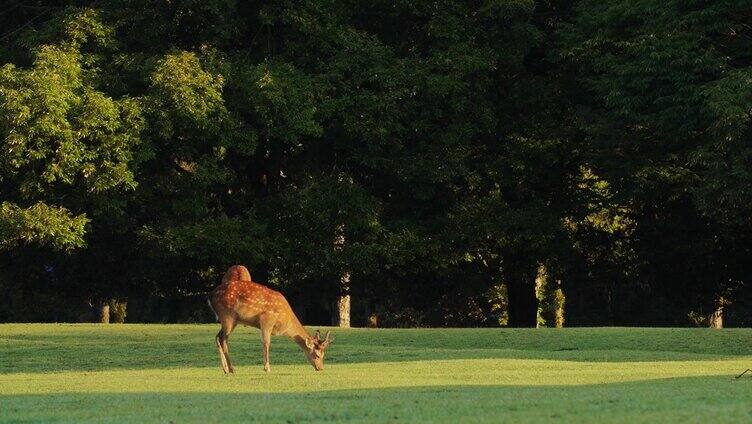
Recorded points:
(63, 140)
(427, 161)
(666, 118)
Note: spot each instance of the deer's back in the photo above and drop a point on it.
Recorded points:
(247, 301)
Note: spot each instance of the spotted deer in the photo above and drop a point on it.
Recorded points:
(238, 299)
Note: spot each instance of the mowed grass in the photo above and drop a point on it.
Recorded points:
(170, 373)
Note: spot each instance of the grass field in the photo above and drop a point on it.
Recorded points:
(170, 373)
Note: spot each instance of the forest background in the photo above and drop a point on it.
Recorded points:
(382, 163)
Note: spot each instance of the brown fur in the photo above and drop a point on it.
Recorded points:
(237, 273)
(240, 300)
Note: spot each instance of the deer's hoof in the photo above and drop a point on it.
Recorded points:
(267, 368)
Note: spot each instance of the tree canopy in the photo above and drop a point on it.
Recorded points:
(450, 163)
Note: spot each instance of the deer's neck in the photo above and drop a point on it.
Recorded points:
(298, 334)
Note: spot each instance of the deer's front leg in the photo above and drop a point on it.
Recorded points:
(267, 340)
(267, 325)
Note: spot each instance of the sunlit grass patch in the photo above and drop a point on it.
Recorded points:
(168, 373)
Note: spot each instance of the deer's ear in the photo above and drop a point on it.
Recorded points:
(309, 343)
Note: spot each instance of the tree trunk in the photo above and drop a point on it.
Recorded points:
(559, 312)
(343, 311)
(523, 305)
(715, 320)
(520, 274)
(551, 299)
(118, 310)
(372, 318)
(342, 305)
(104, 313)
(541, 286)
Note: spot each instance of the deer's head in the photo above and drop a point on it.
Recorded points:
(316, 348)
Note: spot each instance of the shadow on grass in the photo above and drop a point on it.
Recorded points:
(695, 399)
(45, 348)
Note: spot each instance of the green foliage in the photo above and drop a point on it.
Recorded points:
(499, 300)
(673, 81)
(58, 132)
(185, 95)
(82, 26)
(309, 219)
(448, 147)
(42, 224)
(57, 129)
(220, 240)
(284, 103)
(552, 300)
(118, 310)
(665, 113)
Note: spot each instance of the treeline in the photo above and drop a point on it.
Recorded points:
(437, 163)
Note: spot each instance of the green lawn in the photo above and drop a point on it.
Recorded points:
(171, 373)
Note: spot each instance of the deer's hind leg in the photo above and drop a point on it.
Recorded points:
(224, 353)
(222, 359)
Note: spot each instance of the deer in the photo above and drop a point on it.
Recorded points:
(238, 299)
